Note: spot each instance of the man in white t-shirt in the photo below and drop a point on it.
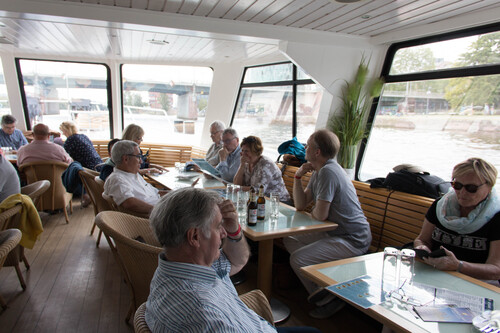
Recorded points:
(125, 185)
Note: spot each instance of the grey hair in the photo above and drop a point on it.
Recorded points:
(218, 125)
(180, 210)
(121, 148)
(231, 131)
(8, 119)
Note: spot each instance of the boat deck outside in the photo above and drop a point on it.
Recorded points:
(72, 286)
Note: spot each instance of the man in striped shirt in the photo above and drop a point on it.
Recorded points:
(191, 290)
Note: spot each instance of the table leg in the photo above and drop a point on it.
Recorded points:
(265, 280)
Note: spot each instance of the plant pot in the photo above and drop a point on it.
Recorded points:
(347, 156)
(350, 173)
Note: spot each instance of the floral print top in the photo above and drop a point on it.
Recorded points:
(267, 173)
(81, 149)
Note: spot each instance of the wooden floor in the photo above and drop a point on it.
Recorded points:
(72, 286)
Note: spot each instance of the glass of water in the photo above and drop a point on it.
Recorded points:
(236, 190)
(242, 204)
(275, 204)
(229, 192)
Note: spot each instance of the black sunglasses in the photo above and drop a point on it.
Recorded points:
(471, 188)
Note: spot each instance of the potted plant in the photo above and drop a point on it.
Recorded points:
(349, 124)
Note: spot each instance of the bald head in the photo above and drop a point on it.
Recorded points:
(41, 132)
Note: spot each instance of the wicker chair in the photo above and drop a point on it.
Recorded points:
(255, 300)
(9, 219)
(8, 240)
(56, 197)
(135, 249)
(34, 191)
(95, 187)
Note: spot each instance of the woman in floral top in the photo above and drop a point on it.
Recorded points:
(256, 169)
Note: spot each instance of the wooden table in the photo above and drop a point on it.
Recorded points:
(174, 180)
(289, 223)
(396, 317)
(12, 158)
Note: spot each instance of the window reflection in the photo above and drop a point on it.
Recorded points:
(4, 98)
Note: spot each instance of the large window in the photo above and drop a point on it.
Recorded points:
(276, 102)
(440, 105)
(4, 98)
(168, 102)
(55, 91)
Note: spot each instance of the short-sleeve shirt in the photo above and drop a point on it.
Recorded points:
(42, 150)
(81, 149)
(266, 173)
(9, 180)
(331, 184)
(15, 140)
(193, 298)
(473, 247)
(122, 185)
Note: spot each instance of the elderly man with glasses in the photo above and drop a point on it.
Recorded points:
(216, 129)
(10, 136)
(229, 156)
(125, 185)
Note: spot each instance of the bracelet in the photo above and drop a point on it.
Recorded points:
(297, 177)
(460, 264)
(236, 233)
(236, 240)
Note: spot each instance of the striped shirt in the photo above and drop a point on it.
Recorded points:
(194, 298)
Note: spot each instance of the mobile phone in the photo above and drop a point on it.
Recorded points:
(437, 253)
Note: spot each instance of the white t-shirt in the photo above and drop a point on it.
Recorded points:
(123, 185)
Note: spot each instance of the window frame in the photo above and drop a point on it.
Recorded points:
(481, 70)
(23, 92)
(294, 82)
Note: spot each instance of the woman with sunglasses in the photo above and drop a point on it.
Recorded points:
(256, 170)
(465, 223)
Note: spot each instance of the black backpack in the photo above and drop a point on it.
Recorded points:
(419, 183)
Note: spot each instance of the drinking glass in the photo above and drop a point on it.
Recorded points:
(390, 272)
(236, 190)
(275, 205)
(178, 166)
(229, 192)
(242, 204)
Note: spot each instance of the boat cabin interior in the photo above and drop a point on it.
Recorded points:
(271, 68)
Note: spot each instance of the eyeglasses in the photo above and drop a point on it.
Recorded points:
(139, 156)
(471, 188)
(228, 140)
(214, 133)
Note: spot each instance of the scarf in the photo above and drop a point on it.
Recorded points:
(448, 213)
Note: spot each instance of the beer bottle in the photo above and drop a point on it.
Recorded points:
(252, 209)
(261, 204)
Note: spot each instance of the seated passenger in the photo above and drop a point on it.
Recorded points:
(466, 223)
(79, 146)
(125, 185)
(216, 129)
(191, 290)
(135, 133)
(256, 170)
(108, 166)
(10, 136)
(229, 155)
(335, 200)
(9, 181)
(40, 149)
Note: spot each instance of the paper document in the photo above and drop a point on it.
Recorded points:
(206, 167)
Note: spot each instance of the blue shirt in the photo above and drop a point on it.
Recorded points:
(230, 166)
(194, 298)
(15, 140)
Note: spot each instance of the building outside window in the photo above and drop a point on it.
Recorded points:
(168, 102)
(56, 91)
